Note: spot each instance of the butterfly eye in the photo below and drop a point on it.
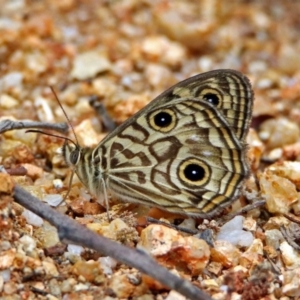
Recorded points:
(212, 99)
(74, 156)
(193, 172)
(163, 120)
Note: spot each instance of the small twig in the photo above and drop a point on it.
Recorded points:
(38, 291)
(243, 210)
(72, 232)
(292, 218)
(17, 171)
(107, 121)
(7, 125)
(291, 234)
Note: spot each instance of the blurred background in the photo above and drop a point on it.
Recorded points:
(127, 52)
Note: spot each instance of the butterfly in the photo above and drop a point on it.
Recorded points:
(184, 152)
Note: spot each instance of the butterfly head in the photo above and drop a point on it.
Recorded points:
(71, 153)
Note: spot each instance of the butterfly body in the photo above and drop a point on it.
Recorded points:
(184, 152)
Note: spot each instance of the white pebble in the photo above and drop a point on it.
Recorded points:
(89, 64)
(107, 264)
(5, 274)
(53, 199)
(12, 79)
(44, 111)
(264, 83)
(32, 218)
(233, 232)
(75, 249)
(28, 243)
(58, 184)
(8, 102)
(81, 287)
(173, 295)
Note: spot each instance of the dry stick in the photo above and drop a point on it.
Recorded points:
(72, 232)
(7, 125)
(243, 210)
(100, 109)
(291, 234)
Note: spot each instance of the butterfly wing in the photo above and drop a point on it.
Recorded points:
(184, 152)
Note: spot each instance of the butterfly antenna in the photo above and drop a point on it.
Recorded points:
(64, 112)
(76, 144)
(51, 134)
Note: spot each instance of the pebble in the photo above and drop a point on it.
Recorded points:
(7, 259)
(88, 269)
(123, 288)
(276, 222)
(158, 76)
(89, 64)
(107, 264)
(50, 268)
(36, 61)
(47, 235)
(11, 79)
(233, 232)
(33, 171)
(172, 249)
(32, 218)
(6, 183)
(8, 102)
(287, 169)
(278, 132)
(5, 275)
(291, 283)
(86, 134)
(168, 52)
(290, 256)
(288, 59)
(173, 295)
(273, 238)
(255, 150)
(225, 253)
(43, 109)
(215, 268)
(10, 288)
(67, 285)
(210, 284)
(110, 230)
(250, 224)
(58, 183)
(28, 138)
(81, 287)
(280, 193)
(54, 287)
(173, 23)
(28, 243)
(39, 285)
(5, 245)
(253, 255)
(53, 199)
